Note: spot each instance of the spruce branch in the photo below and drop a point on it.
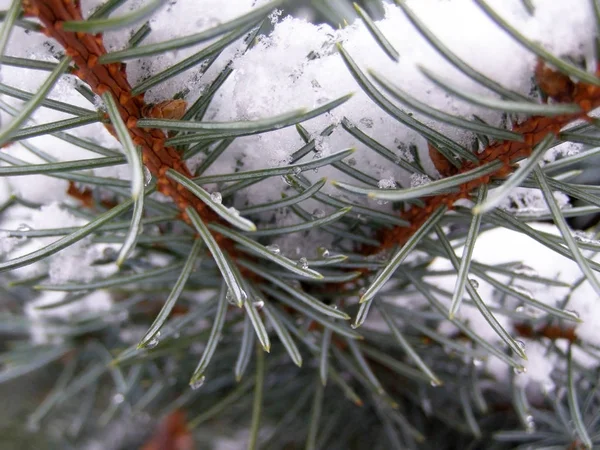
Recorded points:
(408, 378)
(110, 78)
(533, 131)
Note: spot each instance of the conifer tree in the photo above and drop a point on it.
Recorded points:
(223, 227)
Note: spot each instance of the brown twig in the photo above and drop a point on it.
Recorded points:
(171, 433)
(552, 332)
(84, 195)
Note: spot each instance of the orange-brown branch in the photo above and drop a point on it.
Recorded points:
(84, 195)
(552, 332)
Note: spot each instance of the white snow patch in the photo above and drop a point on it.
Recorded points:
(46, 323)
(497, 247)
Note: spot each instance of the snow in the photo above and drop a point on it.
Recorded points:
(562, 151)
(537, 260)
(39, 188)
(387, 183)
(298, 66)
(71, 264)
(234, 442)
(176, 19)
(45, 324)
(531, 201)
(417, 179)
(541, 363)
(7, 243)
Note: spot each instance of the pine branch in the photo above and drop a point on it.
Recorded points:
(86, 50)
(555, 85)
(406, 377)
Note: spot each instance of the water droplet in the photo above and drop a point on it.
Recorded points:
(474, 283)
(216, 197)
(297, 170)
(230, 297)
(521, 344)
(152, 343)
(351, 162)
(323, 252)
(435, 383)
(522, 269)
(318, 213)
(274, 248)
(259, 304)
(519, 370)
(530, 424)
(24, 227)
(118, 399)
(354, 326)
(477, 362)
(524, 292)
(302, 263)
(528, 311)
(147, 176)
(575, 314)
(197, 384)
(334, 307)
(318, 154)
